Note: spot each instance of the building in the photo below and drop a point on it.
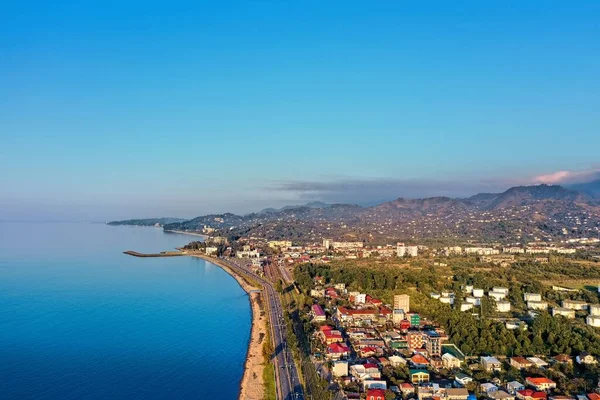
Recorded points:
(514, 386)
(481, 251)
(537, 362)
(490, 364)
(537, 305)
(248, 254)
(402, 250)
(541, 384)
(586, 358)
(457, 394)
(476, 301)
(450, 362)
(375, 394)
(575, 305)
(414, 340)
(418, 376)
(339, 368)
(280, 244)
(497, 295)
(595, 309)
(565, 312)
(466, 307)
(520, 363)
(360, 298)
(478, 293)
(488, 388)
(397, 361)
(593, 320)
(397, 316)
(462, 379)
(402, 302)
(503, 306)
(433, 343)
(211, 250)
(415, 319)
(318, 313)
(563, 359)
(500, 289)
(532, 297)
(335, 351)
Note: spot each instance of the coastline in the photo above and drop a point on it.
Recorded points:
(185, 233)
(252, 384)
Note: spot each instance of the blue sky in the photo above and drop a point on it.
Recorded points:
(179, 109)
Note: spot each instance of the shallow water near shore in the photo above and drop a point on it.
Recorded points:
(81, 320)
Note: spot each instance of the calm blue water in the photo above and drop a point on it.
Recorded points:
(81, 320)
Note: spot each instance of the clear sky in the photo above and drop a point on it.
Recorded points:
(184, 108)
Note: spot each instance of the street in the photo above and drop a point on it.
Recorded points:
(286, 373)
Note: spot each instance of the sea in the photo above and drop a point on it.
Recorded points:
(81, 320)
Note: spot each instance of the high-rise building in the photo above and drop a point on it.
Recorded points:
(433, 343)
(402, 302)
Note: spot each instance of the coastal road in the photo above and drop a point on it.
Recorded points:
(288, 380)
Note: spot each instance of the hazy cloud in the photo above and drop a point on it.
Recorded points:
(369, 191)
(560, 177)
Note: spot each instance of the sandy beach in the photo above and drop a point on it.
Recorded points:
(252, 385)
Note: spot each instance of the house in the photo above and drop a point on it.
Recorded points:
(396, 361)
(503, 306)
(585, 358)
(500, 395)
(488, 388)
(537, 305)
(565, 312)
(532, 297)
(418, 376)
(563, 359)
(340, 368)
(520, 363)
(419, 362)
(540, 384)
(462, 380)
(450, 362)
(457, 394)
(406, 389)
(318, 313)
(375, 394)
(593, 320)
(528, 394)
(538, 362)
(497, 295)
(372, 370)
(490, 364)
(575, 305)
(514, 386)
(593, 396)
(335, 351)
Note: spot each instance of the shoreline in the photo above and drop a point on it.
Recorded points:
(252, 384)
(185, 233)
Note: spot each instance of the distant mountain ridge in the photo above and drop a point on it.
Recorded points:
(519, 212)
(313, 204)
(590, 188)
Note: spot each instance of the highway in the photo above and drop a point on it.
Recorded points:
(286, 373)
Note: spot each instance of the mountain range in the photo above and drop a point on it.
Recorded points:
(520, 214)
